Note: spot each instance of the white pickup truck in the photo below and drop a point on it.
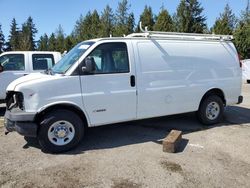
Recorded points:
(20, 63)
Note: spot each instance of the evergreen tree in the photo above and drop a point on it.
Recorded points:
(69, 42)
(189, 17)
(131, 23)
(52, 42)
(164, 21)
(27, 35)
(147, 18)
(43, 43)
(95, 25)
(87, 27)
(107, 22)
(60, 39)
(2, 40)
(226, 23)
(14, 37)
(122, 19)
(242, 33)
(78, 31)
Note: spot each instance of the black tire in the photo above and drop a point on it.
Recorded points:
(248, 81)
(53, 119)
(209, 118)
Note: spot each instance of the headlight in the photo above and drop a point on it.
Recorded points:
(14, 100)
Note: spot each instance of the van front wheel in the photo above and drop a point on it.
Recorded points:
(60, 131)
(211, 110)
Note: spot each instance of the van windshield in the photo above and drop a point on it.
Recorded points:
(71, 57)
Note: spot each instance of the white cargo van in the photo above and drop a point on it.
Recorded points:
(20, 63)
(112, 80)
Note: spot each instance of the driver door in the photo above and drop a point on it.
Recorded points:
(109, 93)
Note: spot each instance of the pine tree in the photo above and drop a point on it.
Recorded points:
(122, 19)
(86, 27)
(107, 22)
(2, 40)
(242, 33)
(69, 42)
(164, 21)
(52, 42)
(95, 25)
(25, 44)
(14, 37)
(78, 31)
(226, 23)
(60, 39)
(131, 23)
(43, 43)
(189, 17)
(147, 18)
(27, 35)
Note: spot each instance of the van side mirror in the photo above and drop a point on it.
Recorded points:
(1, 68)
(89, 65)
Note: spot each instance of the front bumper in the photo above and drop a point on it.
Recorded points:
(21, 122)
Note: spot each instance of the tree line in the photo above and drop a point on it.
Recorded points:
(189, 17)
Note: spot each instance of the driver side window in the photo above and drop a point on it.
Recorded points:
(110, 58)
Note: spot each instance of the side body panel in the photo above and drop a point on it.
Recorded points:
(173, 76)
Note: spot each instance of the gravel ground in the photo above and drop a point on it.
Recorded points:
(130, 155)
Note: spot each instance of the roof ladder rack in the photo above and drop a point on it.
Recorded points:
(176, 35)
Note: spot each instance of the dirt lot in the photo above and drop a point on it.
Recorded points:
(130, 155)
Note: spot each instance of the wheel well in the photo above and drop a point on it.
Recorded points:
(69, 107)
(217, 92)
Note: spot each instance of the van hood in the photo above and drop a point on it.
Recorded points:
(25, 79)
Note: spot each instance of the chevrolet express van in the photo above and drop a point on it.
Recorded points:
(20, 63)
(111, 80)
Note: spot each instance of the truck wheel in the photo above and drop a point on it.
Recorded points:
(211, 110)
(60, 131)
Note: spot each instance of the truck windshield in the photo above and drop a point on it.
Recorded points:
(71, 57)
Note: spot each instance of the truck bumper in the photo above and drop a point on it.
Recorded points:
(21, 122)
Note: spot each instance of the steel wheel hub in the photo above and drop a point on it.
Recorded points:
(212, 110)
(61, 133)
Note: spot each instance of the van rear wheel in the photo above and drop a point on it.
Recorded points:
(211, 110)
(60, 131)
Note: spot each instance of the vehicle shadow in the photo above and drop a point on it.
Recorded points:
(150, 130)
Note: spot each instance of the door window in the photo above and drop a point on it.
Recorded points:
(42, 61)
(110, 58)
(12, 62)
